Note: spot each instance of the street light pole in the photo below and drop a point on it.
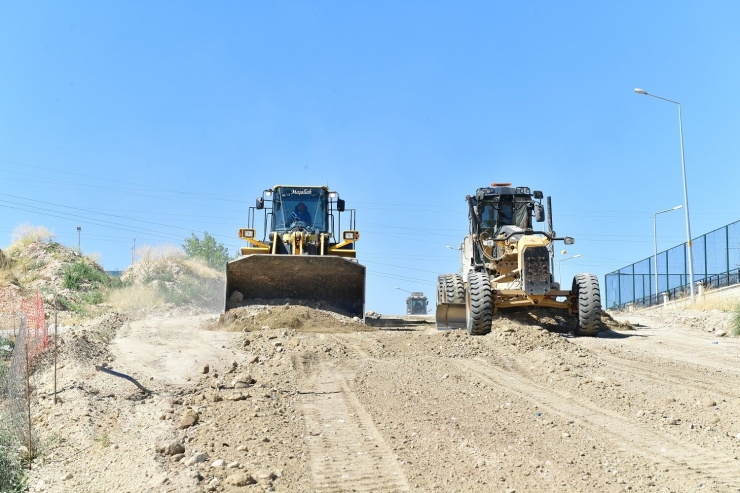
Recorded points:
(655, 246)
(560, 269)
(685, 192)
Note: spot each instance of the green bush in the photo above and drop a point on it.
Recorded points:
(81, 272)
(736, 322)
(191, 290)
(215, 254)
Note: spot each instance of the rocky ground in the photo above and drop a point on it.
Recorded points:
(292, 399)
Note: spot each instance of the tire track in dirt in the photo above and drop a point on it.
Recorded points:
(347, 453)
(687, 378)
(694, 462)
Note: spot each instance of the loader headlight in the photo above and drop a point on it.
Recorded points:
(246, 233)
(333, 195)
(351, 235)
(569, 241)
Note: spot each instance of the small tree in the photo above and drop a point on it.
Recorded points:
(215, 254)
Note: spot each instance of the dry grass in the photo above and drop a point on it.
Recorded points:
(201, 269)
(135, 297)
(26, 233)
(712, 300)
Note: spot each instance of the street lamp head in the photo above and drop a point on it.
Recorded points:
(677, 207)
(576, 256)
(640, 91)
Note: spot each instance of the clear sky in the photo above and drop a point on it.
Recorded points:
(158, 119)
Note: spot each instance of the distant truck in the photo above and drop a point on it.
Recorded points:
(416, 304)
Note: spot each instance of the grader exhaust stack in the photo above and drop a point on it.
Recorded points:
(300, 258)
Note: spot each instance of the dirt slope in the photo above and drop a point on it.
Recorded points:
(652, 408)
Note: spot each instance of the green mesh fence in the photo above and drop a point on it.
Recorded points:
(716, 262)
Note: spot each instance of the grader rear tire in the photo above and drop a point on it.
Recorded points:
(588, 297)
(478, 304)
(450, 289)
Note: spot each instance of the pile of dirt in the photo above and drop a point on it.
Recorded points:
(64, 278)
(295, 317)
(172, 278)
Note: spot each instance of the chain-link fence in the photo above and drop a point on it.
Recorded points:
(716, 261)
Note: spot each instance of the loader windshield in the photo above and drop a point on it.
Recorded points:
(299, 207)
(508, 211)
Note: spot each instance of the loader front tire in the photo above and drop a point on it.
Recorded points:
(588, 297)
(450, 289)
(478, 304)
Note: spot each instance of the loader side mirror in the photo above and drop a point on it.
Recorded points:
(539, 213)
(260, 203)
(538, 194)
(569, 240)
(340, 205)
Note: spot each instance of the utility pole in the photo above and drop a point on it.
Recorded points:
(79, 250)
(133, 252)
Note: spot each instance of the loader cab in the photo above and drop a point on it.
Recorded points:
(303, 207)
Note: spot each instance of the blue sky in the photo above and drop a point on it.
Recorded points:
(170, 117)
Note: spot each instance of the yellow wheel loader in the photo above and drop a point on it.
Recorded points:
(300, 257)
(506, 265)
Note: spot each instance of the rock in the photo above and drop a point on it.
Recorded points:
(236, 297)
(277, 343)
(234, 364)
(264, 474)
(240, 479)
(198, 458)
(172, 448)
(669, 400)
(265, 327)
(177, 457)
(205, 369)
(708, 402)
(720, 333)
(242, 448)
(672, 421)
(218, 463)
(253, 359)
(242, 381)
(67, 476)
(215, 397)
(714, 420)
(213, 484)
(566, 434)
(188, 419)
(356, 319)
(41, 485)
(236, 396)
(233, 465)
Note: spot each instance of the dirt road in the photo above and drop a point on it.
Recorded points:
(521, 409)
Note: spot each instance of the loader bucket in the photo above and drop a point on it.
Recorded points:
(336, 281)
(450, 316)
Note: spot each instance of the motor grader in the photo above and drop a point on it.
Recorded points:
(300, 257)
(508, 265)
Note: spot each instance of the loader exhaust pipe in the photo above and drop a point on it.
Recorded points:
(552, 233)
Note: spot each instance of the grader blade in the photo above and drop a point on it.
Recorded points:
(335, 281)
(450, 316)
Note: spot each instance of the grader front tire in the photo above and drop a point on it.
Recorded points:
(479, 304)
(588, 298)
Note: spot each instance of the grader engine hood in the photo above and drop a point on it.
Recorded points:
(534, 259)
